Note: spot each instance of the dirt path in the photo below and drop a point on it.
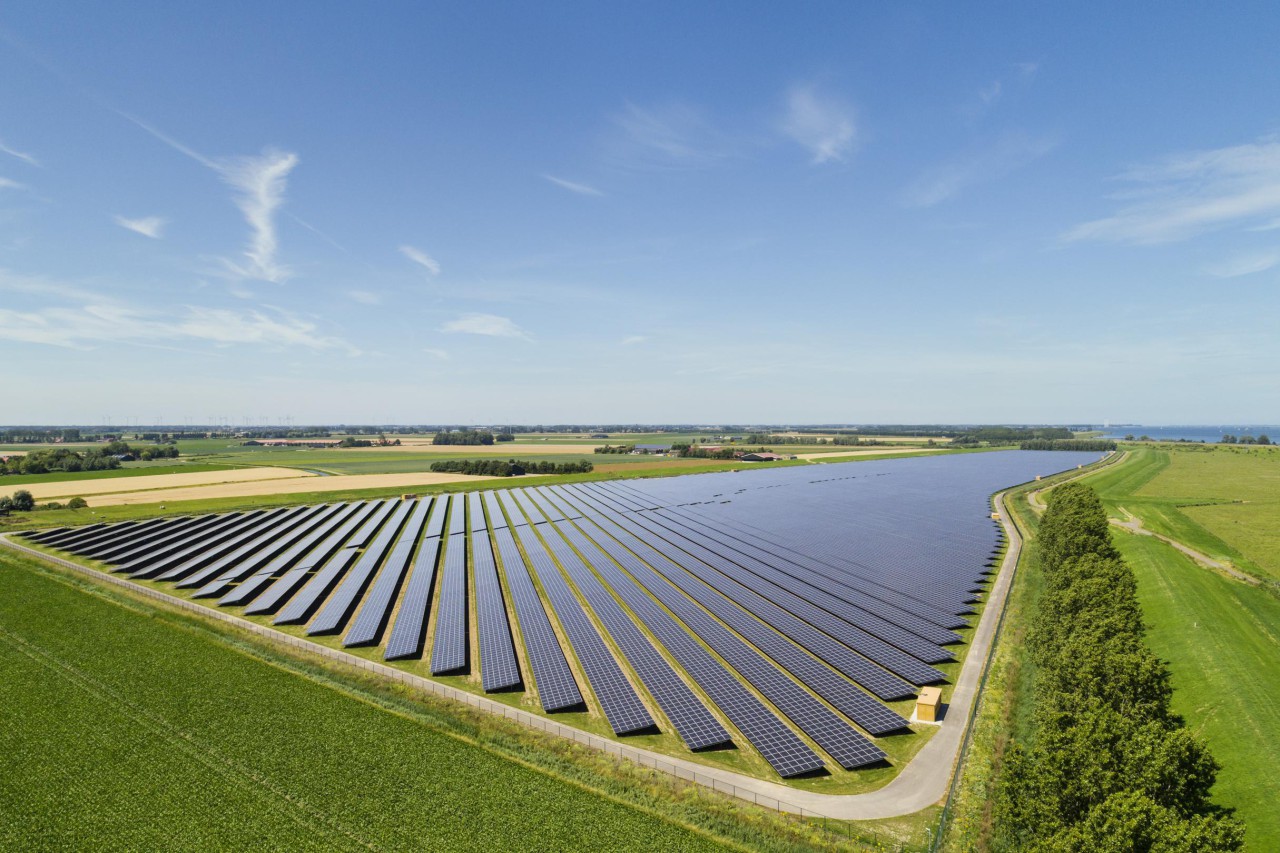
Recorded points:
(1133, 524)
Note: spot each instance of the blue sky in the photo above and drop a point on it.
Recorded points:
(718, 212)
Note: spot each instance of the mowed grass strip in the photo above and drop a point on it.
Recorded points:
(124, 731)
(1222, 639)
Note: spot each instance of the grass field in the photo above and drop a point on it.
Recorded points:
(1220, 636)
(1222, 640)
(116, 740)
(139, 469)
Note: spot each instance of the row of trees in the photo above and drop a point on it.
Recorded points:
(463, 436)
(1262, 438)
(64, 459)
(1109, 766)
(693, 451)
(508, 467)
(615, 448)
(1088, 444)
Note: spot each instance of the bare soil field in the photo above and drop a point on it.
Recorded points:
(290, 485)
(84, 488)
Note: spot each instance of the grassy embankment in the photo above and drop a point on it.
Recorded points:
(1220, 636)
(117, 741)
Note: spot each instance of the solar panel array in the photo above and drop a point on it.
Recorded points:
(780, 609)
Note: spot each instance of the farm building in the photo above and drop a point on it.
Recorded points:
(652, 448)
(760, 457)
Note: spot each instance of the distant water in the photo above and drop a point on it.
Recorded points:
(1207, 434)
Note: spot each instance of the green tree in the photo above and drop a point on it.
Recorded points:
(23, 501)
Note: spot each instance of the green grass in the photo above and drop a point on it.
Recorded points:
(1221, 500)
(132, 727)
(1222, 640)
(139, 469)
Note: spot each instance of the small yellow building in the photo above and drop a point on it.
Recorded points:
(928, 703)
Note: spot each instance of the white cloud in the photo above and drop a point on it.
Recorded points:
(365, 297)
(1187, 194)
(573, 187)
(84, 326)
(1244, 265)
(632, 340)
(421, 258)
(147, 226)
(822, 124)
(671, 136)
(6, 184)
(26, 158)
(1008, 154)
(490, 325)
(438, 354)
(260, 183)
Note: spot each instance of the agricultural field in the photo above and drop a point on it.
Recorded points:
(114, 741)
(1221, 636)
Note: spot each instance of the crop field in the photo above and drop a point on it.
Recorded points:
(601, 603)
(113, 739)
(1221, 636)
(157, 482)
(129, 469)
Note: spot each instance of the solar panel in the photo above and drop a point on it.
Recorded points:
(287, 584)
(408, 632)
(248, 588)
(552, 677)
(376, 610)
(618, 699)
(319, 585)
(498, 667)
(837, 737)
(449, 648)
(338, 609)
(204, 551)
(696, 725)
(252, 556)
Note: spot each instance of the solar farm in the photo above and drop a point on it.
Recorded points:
(783, 611)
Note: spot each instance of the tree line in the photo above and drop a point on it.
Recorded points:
(508, 467)
(463, 436)
(1108, 765)
(64, 459)
(1088, 444)
(614, 448)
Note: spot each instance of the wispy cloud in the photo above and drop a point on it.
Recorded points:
(421, 258)
(90, 325)
(7, 184)
(490, 325)
(632, 340)
(259, 184)
(437, 354)
(365, 297)
(26, 158)
(1009, 153)
(820, 123)
(147, 226)
(1187, 194)
(670, 136)
(1246, 264)
(573, 186)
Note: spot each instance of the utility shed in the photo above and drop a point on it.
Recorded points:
(928, 703)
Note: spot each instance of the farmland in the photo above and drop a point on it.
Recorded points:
(116, 742)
